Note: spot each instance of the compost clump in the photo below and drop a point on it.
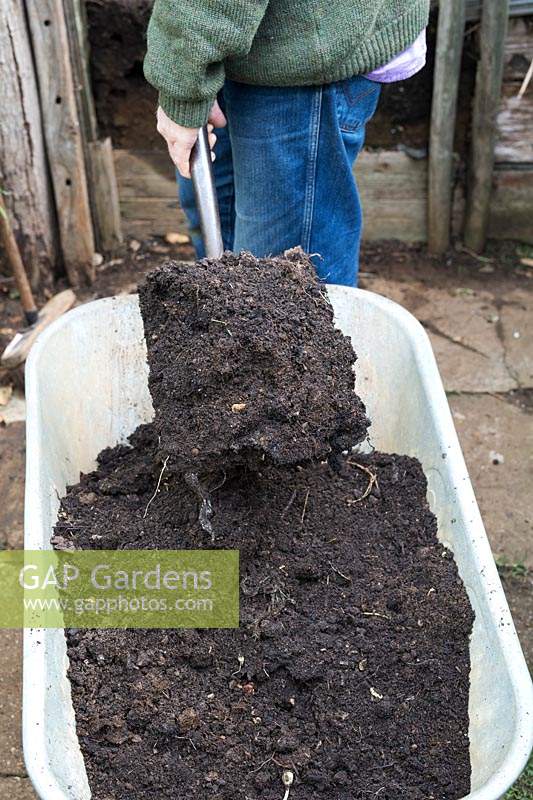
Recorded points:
(246, 365)
(348, 676)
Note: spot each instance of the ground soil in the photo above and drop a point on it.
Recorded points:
(354, 631)
(246, 364)
(125, 102)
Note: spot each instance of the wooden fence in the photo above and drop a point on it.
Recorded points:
(57, 175)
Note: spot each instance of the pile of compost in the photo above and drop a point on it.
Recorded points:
(350, 667)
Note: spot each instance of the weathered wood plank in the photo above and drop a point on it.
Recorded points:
(62, 134)
(103, 190)
(104, 194)
(23, 168)
(152, 217)
(514, 121)
(393, 189)
(515, 127)
(486, 103)
(511, 211)
(443, 113)
(155, 210)
(518, 50)
(76, 22)
(144, 174)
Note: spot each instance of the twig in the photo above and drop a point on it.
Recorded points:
(305, 507)
(263, 764)
(372, 482)
(289, 504)
(188, 738)
(346, 577)
(221, 484)
(225, 324)
(150, 501)
(484, 259)
(526, 81)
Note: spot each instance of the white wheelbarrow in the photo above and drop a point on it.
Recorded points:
(87, 389)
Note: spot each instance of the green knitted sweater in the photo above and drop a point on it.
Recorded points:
(193, 45)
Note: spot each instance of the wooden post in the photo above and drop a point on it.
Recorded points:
(443, 113)
(63, 138)
(103, 191)
(494, 22)
(76, 21)
(104, 195)
(23, 167)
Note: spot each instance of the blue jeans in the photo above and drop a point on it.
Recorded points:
(283, 172)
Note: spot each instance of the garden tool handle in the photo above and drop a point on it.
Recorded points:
(206, 196)
(9, 243)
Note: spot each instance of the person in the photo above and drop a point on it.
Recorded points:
(289, 85)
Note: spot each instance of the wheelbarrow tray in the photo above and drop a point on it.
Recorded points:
(86, 382)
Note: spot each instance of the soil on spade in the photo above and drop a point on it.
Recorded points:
(354, 632)
(246, 364)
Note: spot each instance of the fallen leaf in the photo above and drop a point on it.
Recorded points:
(5, 394)
(177, 238)
(134, 245)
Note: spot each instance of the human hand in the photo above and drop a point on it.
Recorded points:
(180, 140)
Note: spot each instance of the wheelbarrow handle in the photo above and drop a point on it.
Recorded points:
(206, 196)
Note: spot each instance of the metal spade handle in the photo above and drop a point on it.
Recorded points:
(206, 196)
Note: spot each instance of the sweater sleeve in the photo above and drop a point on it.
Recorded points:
(188, 41)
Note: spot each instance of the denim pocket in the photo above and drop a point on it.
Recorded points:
(356, 101)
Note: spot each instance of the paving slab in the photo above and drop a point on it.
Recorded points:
(12, 447)
(15, 409)
(16, 789)
(487, 426)
(517, 331)
(11, 762)
(462, 324)
(519, 593)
